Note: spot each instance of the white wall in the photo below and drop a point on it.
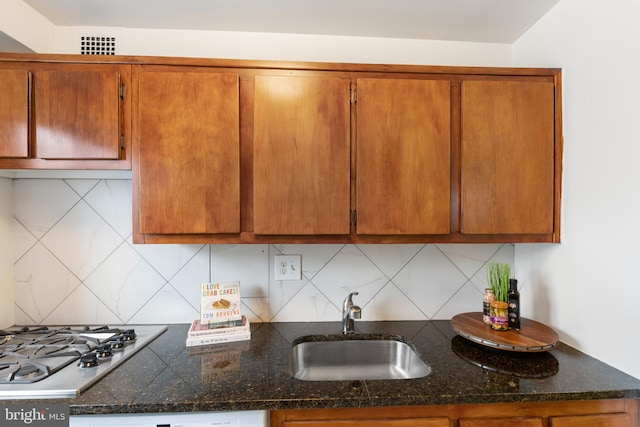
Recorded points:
(588, 287)
(26, 26)
(6, 252)
(288, 47)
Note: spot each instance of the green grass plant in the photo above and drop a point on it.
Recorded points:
(498, 275)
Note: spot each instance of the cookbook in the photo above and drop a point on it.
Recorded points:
(220, 302)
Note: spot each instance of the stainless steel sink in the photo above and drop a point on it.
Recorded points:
(354, 357)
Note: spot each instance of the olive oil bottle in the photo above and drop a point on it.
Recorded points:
(513, 299)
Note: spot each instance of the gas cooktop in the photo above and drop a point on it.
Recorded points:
(62, 361)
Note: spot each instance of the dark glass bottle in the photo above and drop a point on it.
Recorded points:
(513, 299)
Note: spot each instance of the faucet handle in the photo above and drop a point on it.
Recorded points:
(348, 301)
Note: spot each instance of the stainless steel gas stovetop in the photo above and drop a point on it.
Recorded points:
(62, 361)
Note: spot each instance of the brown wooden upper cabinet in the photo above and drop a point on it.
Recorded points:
(403, 156)
(302, 161)
(77, 114)
(301, 178)
(186, 177)
(14, 113)
(228, 151)
(63, 116)
(508, 157)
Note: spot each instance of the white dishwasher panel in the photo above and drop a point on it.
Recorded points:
(183, 419)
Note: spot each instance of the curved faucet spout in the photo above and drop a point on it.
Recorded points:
(349, 313)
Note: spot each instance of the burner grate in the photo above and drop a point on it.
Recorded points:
(73, 359)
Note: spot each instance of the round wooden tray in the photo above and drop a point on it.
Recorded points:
(531, 337)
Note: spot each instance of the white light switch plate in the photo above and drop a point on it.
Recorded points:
(288, 267)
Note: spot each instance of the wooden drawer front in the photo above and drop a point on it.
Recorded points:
(609, 420)
(502, 422)
(407, 422)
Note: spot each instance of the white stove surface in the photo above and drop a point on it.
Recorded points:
(71, 380)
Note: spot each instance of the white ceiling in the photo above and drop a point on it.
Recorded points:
(492, 21)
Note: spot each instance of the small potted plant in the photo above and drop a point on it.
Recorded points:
(498, 275)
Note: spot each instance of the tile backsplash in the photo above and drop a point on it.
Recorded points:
(74, 262)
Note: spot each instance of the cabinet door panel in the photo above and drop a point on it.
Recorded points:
(502, 422)
(301, 155)
(403, 156)
(407, 422)
(507, 157)
(187, 131)
(14, 113)
(608, 420)
(77, 114)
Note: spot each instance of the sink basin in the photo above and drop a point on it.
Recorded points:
(354, 357)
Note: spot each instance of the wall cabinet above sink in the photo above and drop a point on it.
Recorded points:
(333, 153)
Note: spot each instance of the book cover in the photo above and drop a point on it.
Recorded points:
(220, 302)
(198, 329)
(218, 339)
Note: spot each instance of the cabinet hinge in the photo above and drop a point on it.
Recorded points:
(122, 142)
(122, 91)
(354, 217)
(354, 93)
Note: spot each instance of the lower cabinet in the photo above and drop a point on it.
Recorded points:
(584, 413)
(409, 422)
(609, 420)
(502, 422)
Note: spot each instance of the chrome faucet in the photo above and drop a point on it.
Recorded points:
(350, 312)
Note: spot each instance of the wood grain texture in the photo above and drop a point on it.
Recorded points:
(608, 420)
(507, 157)
(187, 169)
(587, 413)
(77, 114)
(391, 107)
(301, 181)
(403, 156)
(531, 337)
(408, 422)
(502, 422)
(14, 113)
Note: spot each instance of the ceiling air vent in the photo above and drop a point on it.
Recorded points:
(93, 45)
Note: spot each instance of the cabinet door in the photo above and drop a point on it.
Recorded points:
(502, 422)
(14, 113)
(301, 155)
(408, 422)
(186, 168)
(77, 113)
(604, 420)
(403, 156)
(507, 159)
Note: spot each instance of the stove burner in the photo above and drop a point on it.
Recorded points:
(104, 350)
(88, 360)
(28, 372)
(44, 363)
(30, 354)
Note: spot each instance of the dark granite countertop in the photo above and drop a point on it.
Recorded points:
(165, 376)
